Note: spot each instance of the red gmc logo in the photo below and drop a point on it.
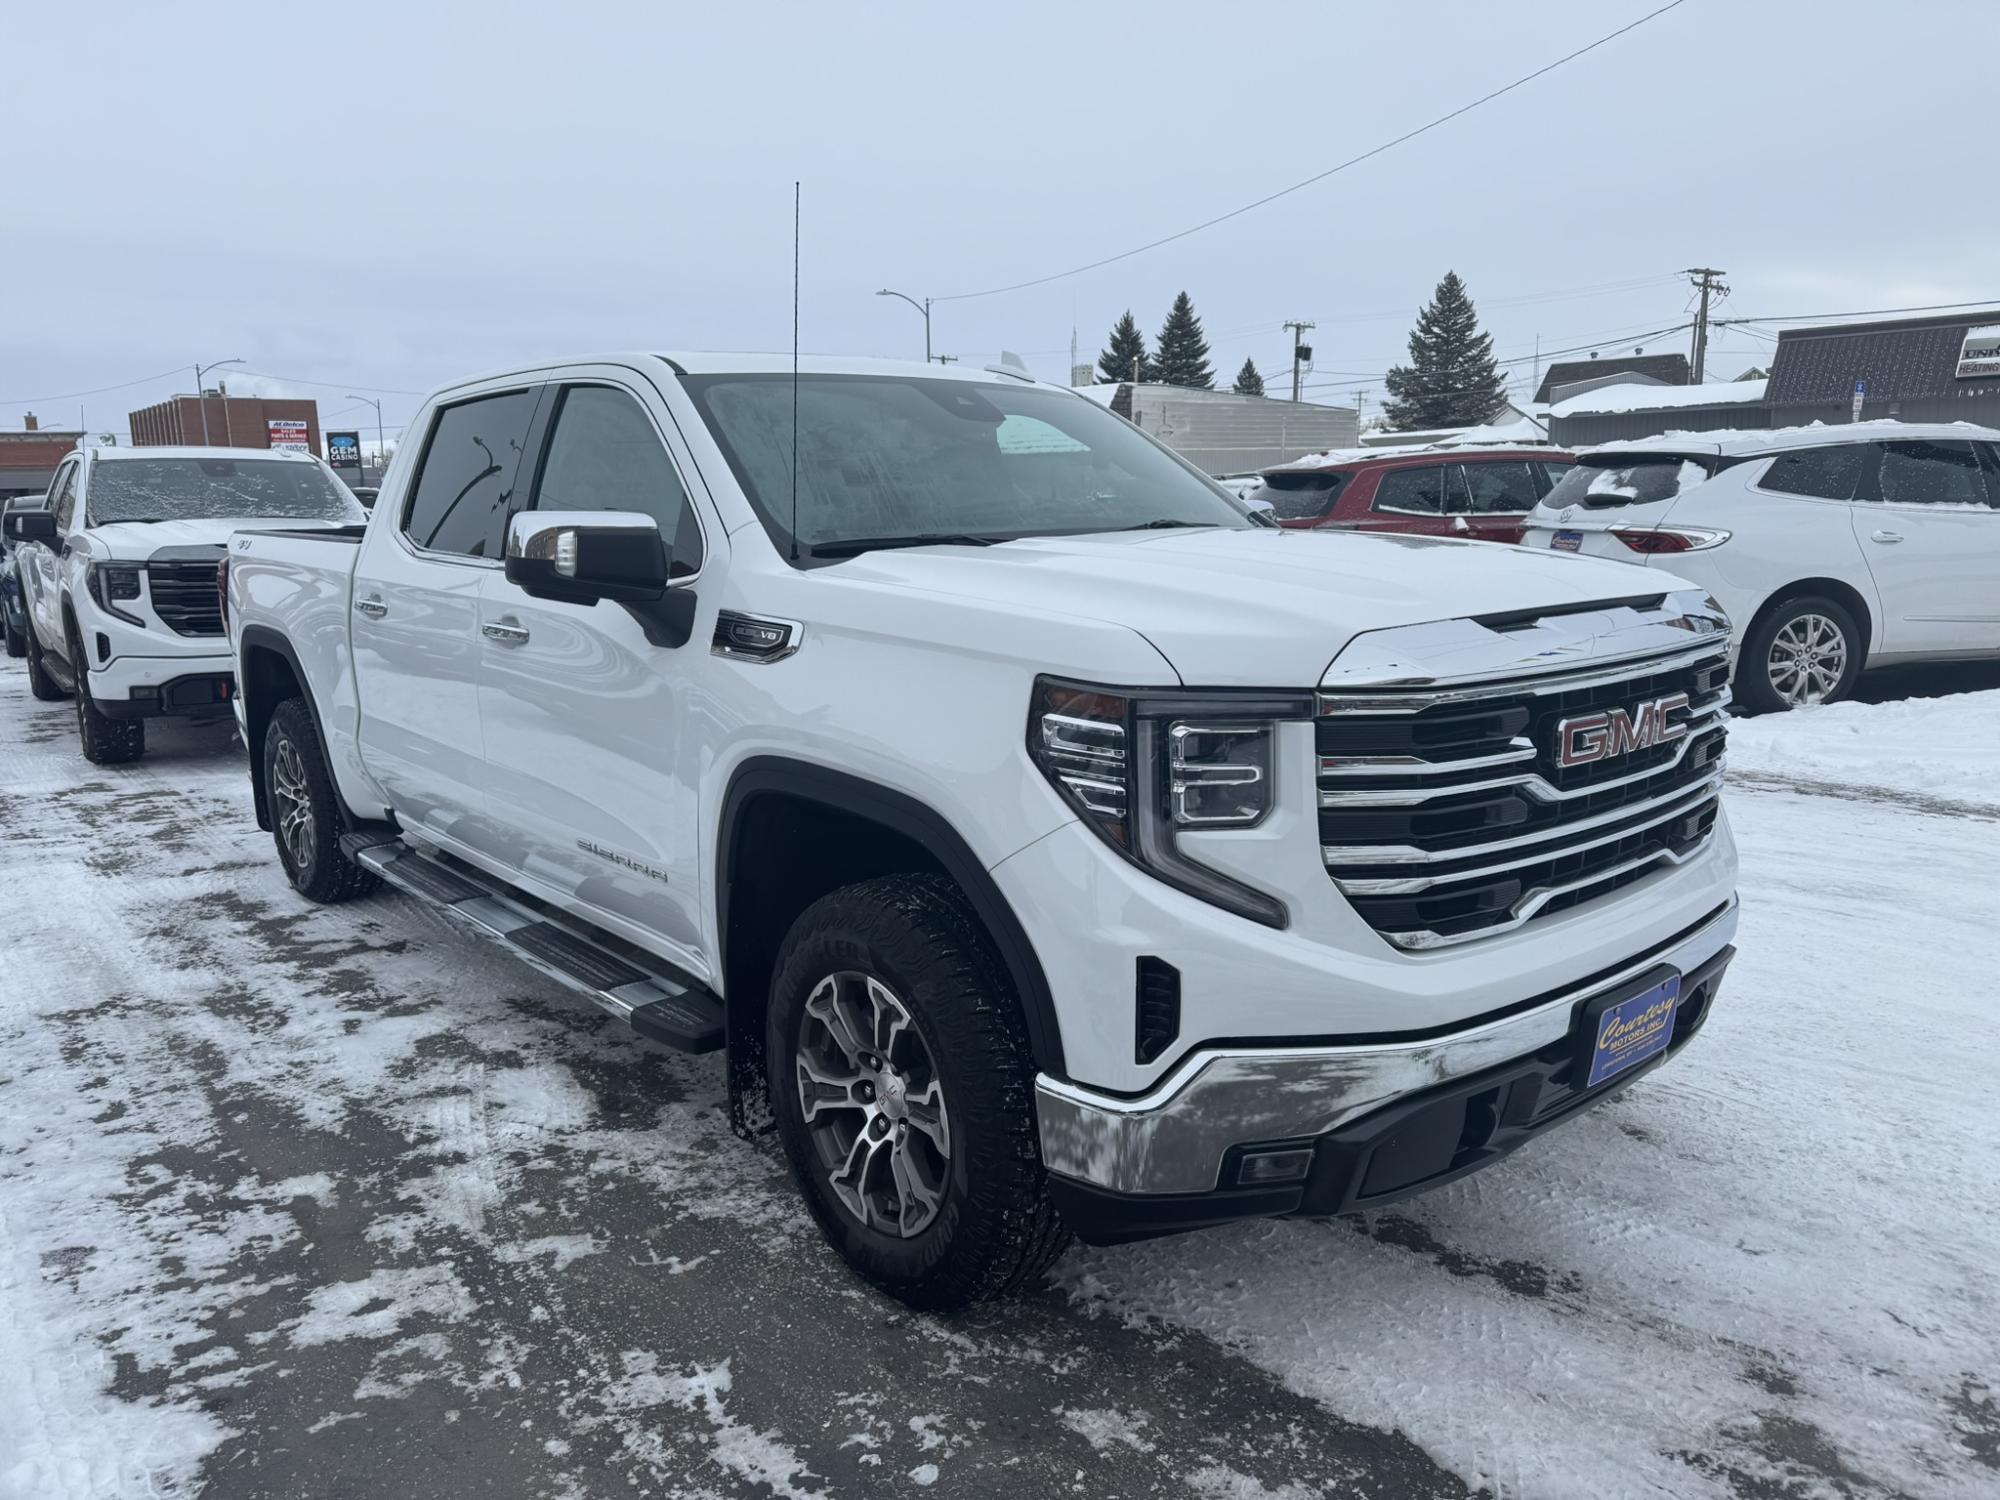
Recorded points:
(1592, 737)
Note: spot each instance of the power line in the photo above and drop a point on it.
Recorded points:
(1866, 312)
(101, 390)
(334, 385)
(1409, 135)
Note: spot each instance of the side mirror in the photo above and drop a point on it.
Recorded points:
(30, 526)
(582, 556)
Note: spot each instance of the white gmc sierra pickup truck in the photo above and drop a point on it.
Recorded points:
(1054, 846)
(117, 577)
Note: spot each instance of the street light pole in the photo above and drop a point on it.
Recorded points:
(923, 307)
(202, 396)
(380, 447)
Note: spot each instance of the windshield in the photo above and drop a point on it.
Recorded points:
(200, 489)
(1298, 494)
(1640, 479)
(900, 457)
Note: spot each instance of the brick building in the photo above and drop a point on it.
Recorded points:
(28, 458)
(218, 420)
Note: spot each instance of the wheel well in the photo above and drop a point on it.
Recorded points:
(792, 833)
(267, 679)
(1843, 594)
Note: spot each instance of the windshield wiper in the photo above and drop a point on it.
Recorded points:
(1164, 524)
(854, 546)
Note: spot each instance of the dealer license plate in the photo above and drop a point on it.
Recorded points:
(1633, 1030)
(1567, 541)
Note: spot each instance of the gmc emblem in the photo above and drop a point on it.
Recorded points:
(1593, 737)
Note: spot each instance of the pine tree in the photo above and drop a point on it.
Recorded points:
(1183, 353)
(1451, 379)
(1248, 381)
(1127, 346)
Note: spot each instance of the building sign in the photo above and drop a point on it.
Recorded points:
(289, 435)
(1979, 355)
(343, 450)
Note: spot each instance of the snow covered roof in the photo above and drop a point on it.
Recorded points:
(164, 450)
(1639, 397)
(1734, 443)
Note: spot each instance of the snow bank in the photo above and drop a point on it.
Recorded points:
(1928, 747)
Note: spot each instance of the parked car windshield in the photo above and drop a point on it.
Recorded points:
(900, 457)
(1637, 479)
(197, 489)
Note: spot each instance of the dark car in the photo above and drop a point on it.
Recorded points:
(1485, 493)
(13, 613)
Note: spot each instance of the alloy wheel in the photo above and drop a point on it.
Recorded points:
(291, 804)
(1808, 659)
(873, 1104)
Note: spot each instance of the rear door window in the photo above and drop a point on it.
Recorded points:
(1412, 492)
(1921, 473)
(1500, 489)
(1637, 479)
(465, 482)
(605, 454)
(1822, 473)
(1298, 495)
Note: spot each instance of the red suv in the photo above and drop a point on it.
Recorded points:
(1475, 492)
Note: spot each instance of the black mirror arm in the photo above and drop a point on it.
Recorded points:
(667, 621)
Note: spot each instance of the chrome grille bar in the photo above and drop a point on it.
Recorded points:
(1533, 782)
(1557, 680)
(1678, 805)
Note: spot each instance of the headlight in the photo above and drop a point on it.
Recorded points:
(114, 581)
(1144, 768)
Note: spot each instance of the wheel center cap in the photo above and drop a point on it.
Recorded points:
(894, 1096)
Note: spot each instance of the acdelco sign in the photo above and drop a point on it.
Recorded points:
(1594, 737)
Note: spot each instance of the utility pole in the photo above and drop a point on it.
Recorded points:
(1708, 281)
(1300, 352)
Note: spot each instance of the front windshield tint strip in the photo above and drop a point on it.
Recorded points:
(204, 489)
(883, 459)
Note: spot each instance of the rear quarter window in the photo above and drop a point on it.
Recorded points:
(1819, 473)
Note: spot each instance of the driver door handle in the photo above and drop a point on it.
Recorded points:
(1886, 537)
(507, 631)
(372, 607)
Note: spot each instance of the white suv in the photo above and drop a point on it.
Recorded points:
(117, 575)
(1832, 549)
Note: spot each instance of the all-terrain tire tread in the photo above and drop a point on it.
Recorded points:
(335, 877)
(1019, 1234)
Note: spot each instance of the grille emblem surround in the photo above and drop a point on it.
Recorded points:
(1589, 738)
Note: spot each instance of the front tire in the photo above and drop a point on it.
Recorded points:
(305, 810)
(901, 1079)
(40, 683)
(1805, 650)
(17, 641)
(105, 741)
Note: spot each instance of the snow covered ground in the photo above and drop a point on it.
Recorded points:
(1946, 748)
(298, 1201)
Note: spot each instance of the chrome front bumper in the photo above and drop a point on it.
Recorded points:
(1174, 1137)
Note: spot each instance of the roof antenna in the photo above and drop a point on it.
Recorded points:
(795, 371)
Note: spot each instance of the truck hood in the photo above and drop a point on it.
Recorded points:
(1260, 607)
(135, 541)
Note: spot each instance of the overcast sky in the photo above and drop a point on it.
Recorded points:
(384, 197)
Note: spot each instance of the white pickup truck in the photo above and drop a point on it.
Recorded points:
(1054, 846)
(117, 577)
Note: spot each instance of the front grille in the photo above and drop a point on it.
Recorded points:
(1446, 814)
(185, 597)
